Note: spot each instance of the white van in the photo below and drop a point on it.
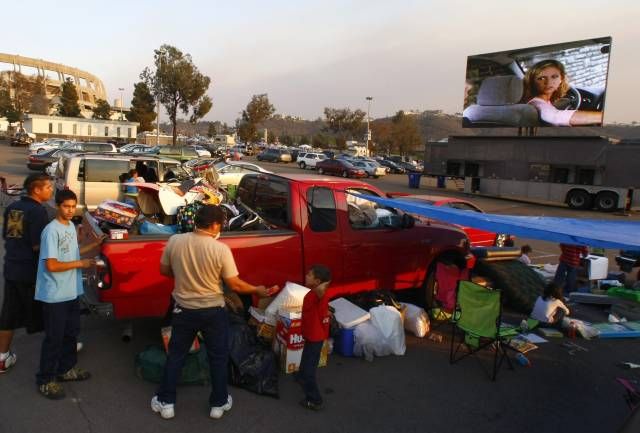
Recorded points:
(96, 177)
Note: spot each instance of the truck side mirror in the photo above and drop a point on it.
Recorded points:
(408, 221)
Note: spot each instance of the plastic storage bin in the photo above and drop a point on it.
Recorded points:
(345, 342)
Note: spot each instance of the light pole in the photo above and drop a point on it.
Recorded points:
(121, 102)
(369, 99)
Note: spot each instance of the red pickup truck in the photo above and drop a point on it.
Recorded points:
(307, 219)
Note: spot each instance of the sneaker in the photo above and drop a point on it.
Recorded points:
(217, 412)
(166, 410)
(52, 390)
(75, 374)
(308, 404)
(8, 362)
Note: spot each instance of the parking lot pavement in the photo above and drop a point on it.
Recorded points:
(418, 392)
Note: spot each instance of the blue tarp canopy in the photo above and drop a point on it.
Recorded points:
(595, 233)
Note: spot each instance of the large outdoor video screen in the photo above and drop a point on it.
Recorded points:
(553, 85)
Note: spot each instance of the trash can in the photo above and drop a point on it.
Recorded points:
(345, 342)
(414, 180)
(441, 182)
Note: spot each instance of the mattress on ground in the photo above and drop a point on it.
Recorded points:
(347, 313)
(618, 330)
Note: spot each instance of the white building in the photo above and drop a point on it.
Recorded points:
(78, 128)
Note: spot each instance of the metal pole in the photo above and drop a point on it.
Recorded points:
(121, 102)
(369, 99)
(158, 125)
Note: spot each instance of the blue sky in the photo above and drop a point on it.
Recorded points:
(310, 54)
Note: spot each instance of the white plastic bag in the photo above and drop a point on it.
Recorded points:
(416, 320)
(389, 321)
(369, 341)
(290, 297)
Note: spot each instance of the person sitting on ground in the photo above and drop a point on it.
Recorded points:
(525, 250)
(549, 307)
(315, 329)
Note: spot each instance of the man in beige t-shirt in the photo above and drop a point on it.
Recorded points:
(198, 261)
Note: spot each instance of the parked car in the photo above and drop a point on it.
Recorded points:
(230, 173)
(51, 143)
(96, 177)
(339, 167)
(135, 148)
(274, 155)
(40, 161)
(88, 146)
(409, 167)
(201, 150)
(309, 159)
(371, 168)
(478, 238)
(392, 166)
(180, 153)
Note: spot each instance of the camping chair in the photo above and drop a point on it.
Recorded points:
(478, 314)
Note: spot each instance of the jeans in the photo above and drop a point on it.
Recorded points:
(307, 372)
(566, 275)
(214, 325)
(61, 327)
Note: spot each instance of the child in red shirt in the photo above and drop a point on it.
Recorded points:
(315, 329)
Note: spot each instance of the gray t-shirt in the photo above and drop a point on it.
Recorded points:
(198, 263)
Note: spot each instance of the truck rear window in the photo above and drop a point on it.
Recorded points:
(267, 196)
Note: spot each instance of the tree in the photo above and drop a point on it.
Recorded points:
(381, 134)
(40, 104)
(271, 137)
(304, 139)
(178, 84)
(143, 107)
(404, 132)
(285, 139)
(69, 100)
(343, 122)
(213, 129)
(258, 110)
(102, 110)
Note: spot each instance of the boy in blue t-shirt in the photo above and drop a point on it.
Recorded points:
(58, 286)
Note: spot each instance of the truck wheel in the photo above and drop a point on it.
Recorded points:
(320, 171)
(302, 165)
(520, 284)
(607, 201)
(579, 199)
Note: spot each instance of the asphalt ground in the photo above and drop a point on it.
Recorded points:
(417, 392)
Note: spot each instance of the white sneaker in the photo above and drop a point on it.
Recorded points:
(217, 412)
(8, 362)
(165, 410)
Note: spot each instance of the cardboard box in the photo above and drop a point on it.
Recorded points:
(288, 342)
(115, 212)
(118, 234)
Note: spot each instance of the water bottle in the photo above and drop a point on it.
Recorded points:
(523, 360)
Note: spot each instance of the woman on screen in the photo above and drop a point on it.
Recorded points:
(545, 83)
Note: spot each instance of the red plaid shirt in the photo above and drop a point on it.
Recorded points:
(571, 254)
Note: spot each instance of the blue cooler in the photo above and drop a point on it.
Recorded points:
(345, 341)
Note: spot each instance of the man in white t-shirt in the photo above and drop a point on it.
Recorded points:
(198, 261)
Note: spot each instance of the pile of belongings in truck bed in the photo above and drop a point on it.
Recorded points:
(169, 208)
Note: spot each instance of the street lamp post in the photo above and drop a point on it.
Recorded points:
(369, 99)
(121, 102)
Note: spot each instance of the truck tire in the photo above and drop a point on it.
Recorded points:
(302, 165)
(520, 284)
(607, 201)
(579, 199)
